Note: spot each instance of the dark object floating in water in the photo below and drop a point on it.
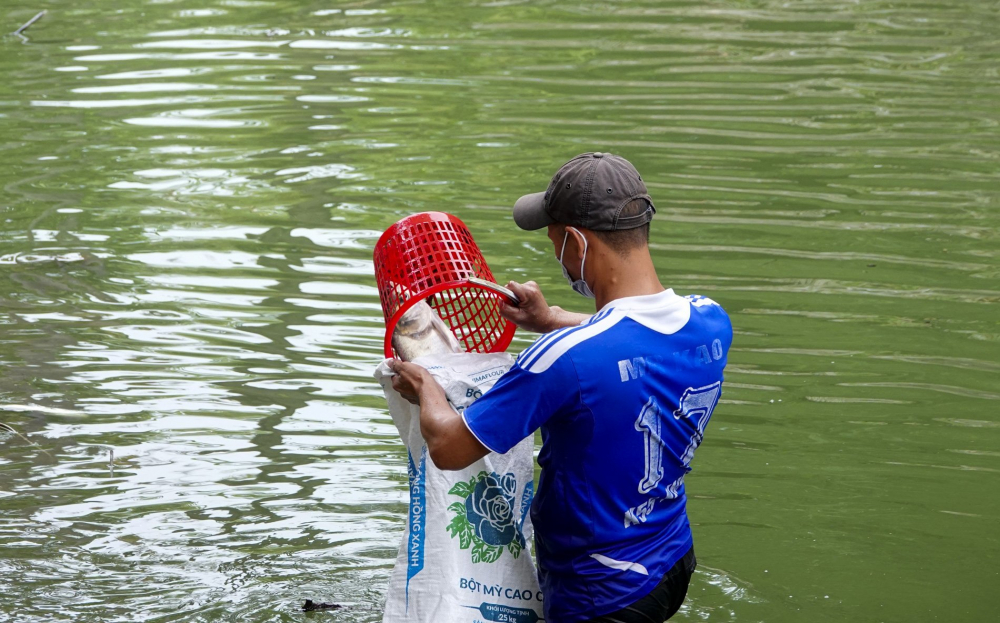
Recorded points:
(311, 606)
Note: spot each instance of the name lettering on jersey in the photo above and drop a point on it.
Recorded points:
(631, 369)
(704, 354)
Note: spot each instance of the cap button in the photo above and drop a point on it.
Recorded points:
(598, 154)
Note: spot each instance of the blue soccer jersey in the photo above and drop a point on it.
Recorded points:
(622, 401)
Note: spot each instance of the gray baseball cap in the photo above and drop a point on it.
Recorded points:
(589, 191)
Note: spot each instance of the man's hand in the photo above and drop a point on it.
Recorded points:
(410, 380)
(534, 314)
(449, 441)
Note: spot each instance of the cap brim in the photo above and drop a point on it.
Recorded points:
(529, 212)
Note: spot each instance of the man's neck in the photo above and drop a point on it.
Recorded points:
(619, 277)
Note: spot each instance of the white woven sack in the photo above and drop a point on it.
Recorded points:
(464, 555)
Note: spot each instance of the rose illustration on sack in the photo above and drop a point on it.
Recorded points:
(485, 520)
(489, 510)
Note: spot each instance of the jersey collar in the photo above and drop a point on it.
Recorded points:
(665, 312)
(646, 301)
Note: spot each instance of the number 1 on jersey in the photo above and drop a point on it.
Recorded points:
(649, 425)
(697, 404)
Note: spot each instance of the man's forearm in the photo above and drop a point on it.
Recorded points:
(436, 414)
(449, 441)
(561, 318)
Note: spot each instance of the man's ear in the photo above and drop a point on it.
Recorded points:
(594, 244)
(574, 246)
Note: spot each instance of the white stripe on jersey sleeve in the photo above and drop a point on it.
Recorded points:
(562, 344)
(539, 344)
(525, 359)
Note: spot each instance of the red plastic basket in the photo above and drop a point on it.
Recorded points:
(430, 256)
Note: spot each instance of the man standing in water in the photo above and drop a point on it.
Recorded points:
(622, 398)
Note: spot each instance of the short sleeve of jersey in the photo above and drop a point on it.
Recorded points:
(521, 402)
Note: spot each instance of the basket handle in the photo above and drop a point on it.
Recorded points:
(502, 291)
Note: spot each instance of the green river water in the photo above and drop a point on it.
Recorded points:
(191, 191)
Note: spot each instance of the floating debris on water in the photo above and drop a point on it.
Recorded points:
(311, 606)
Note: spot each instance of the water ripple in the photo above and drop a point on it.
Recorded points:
(188, 318)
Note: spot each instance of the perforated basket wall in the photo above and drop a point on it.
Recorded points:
(430, 256)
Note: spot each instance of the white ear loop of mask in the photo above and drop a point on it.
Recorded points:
(580, 285)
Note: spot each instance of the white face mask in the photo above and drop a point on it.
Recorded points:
(579, 286)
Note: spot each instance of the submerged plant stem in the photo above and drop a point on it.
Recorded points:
(31, 21)
(14, 430)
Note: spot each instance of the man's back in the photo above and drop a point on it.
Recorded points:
(622, 402)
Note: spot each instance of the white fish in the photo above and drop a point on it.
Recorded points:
(420, 331)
